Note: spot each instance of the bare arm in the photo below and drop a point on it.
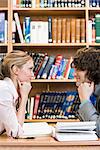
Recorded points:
(24, 91)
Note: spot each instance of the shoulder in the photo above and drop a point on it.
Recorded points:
(7, 89)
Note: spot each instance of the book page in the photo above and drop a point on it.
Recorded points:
(36, 129)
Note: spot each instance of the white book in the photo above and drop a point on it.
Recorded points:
(75, 131)
(75, 136)
(33, 3)
(85, 125)
(89, 31)
(19, 27)
(33, 30)
(6, 31)
(39, 33)
(36, 129)
(14, 4)
(44, 33)
(31, 108)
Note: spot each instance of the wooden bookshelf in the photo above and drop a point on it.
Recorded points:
(66, 49)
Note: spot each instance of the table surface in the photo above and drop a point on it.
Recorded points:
(43, 141)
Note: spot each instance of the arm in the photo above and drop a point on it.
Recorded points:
(9, 119)
(87, 111)
(24, 89)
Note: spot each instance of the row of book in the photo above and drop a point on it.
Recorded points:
(3, 28)
(52, 67)
(47, 3)
(94, 3)
(54, 105)
(94, 29)
(50, 29)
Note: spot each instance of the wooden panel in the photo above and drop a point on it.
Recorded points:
(3, 3)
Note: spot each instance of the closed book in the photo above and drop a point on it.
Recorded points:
(2, 27)
(75, 131)
(36, 100)
(59, 27)
(33, 30)
(42, 67)
(47, 67)
(19, 27)
(89, 31)
(73, 31)
(97, 26)
(27, 30)
(50, 29)
(54, 29)
(83, 28)
(68, 30)
(67, 70)
(78, 29)
(63, 30)
(36, 129)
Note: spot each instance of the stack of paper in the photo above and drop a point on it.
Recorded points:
(74, 131)
(36, 129)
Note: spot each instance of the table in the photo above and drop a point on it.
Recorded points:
(46, 143)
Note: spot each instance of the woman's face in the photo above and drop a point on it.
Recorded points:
(25, 72)
(80, 77)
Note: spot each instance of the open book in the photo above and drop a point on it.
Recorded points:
(75, 131)
(36, 129)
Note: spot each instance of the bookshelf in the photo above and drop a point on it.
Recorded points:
(65, 49)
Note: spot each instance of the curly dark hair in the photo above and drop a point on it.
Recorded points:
(88, 59)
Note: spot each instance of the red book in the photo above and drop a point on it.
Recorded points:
(37, 99)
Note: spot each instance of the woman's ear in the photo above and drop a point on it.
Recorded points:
(15, 70)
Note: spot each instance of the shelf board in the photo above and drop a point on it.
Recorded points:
(3, 44)
(50, 9)
(94, 44)
(56, 80)
(51, 120)
(3, 8)
(51, 44)
(94, 8)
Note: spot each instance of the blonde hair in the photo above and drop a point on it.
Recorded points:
(16, 57)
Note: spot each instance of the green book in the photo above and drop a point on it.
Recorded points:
(97, 25)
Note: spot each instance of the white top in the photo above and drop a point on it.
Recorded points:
(8, 99)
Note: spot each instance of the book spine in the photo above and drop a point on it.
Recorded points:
(83, 27)
(59, 30)
(48, 67)
(63, 32)
(68, 30)
(73, 30)
(37, 99)
(78, 30)
(19, 27)
(13, 31)
(54, 29)
(97, 25)
(50, 29)
(2, 27)
(90, 31)
(42, 67)
(31, 108)
(6, 31)
(27, 21)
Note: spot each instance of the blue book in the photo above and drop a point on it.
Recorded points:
(50, 29)
(27, 31)
(2, 27)
(47, 67)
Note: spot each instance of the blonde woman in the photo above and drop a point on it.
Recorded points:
(15, 77)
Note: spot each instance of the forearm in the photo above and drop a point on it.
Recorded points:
(21, 110)
(88, 113)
